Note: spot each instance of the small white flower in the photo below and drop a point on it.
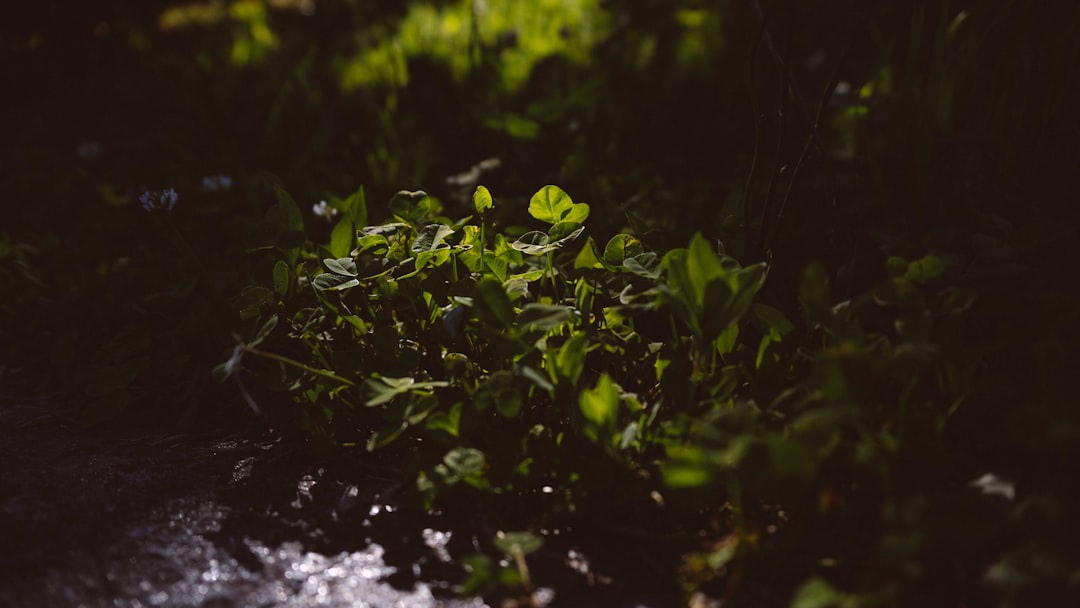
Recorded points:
(158, 200)
(324, 210)
(216, 183)
(992, 485)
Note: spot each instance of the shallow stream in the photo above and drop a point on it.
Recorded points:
(91, 521)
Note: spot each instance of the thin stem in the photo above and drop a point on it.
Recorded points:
(276, 357)
(758, 119)
(778, 168)
(806, 149)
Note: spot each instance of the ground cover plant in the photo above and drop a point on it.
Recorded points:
(823, 360)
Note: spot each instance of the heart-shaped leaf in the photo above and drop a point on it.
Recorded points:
(410, 207)
(550, 204)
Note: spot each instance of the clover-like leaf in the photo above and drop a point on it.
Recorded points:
(410, 207)
(550, 204)
(465, 461)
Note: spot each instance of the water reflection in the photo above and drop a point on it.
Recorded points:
(176, 564)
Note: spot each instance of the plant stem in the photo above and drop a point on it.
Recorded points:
(276, 357)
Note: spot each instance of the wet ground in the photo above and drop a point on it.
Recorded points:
(105, 521)
(93, 519)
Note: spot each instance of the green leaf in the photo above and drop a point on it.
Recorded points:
(342, 266)
(703, 268)
(497, 264)
(465, 461)
(433, 258)
(534, 243)
(529, 275)
(579, 212)
(499, 390)
(264, 331)
(587, 257)
(646, 265)
(535, 377)
(538, 243)
(253, 300)
(431, 237)
(482, 199)
(384, 437)
(518, 543)
(728, 339)
(492, 304)
(570, 359)
(544, 317)
(287, 214)
(600, 408)
(564, 232)
(925, 269)
(816, 593)
(282, 280)
(356, 207)
(814, 291)
(384, 389)
(621, 247)
(343, 238)
(550, 204)
(410, 207)
(688, 466)
(450, 421)
(772, 319)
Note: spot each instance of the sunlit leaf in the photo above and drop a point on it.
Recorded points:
(343, 238)
(482, 199)
(587, 257)
(600, 408)
(621, 247)
(570, 358)
(550, 204)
